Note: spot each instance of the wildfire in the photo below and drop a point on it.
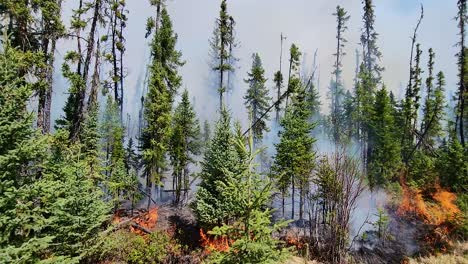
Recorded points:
(211, 244)
(147, 221)
(295, 242)
(437, 214)
(142, 224)
(443, 208)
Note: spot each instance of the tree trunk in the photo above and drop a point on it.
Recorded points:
(292, 199)
(79, 107)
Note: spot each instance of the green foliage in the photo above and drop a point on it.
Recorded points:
(221, 162)
(452, 165)
(206, 136)
(294, 159)
(163, 84)
(51, 208)
(184, 144)
(119, 179)
(382, 223)
(257, 99)
(252, 230)
(125, 247)
(384, 158)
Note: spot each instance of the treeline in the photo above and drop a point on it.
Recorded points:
(59, 188)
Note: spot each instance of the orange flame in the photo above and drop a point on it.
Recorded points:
(211, 244)
(147, 221)
(438, 214)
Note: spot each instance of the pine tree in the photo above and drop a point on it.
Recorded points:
(294, 159)
(257, 99)
(185, 145)
(384, 160)
(364, 101)
(163, 84)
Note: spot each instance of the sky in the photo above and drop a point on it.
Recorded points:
(259, 23)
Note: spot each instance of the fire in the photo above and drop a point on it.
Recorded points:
(214, 244)
(443, 208)
(147, 221)
(438, 214)
(295, 242)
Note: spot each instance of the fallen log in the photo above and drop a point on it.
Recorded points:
(139, 227)
(121, 225)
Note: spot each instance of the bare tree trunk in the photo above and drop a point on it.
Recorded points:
(79, 113)
(292, 199)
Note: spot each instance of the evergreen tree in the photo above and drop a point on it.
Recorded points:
(51, 208)
(75, 105)
(462, 93)
(364, 102)
(36, 26)
(212, 206)
(433, 112)
(384, 160)
(221, 44)
(294, 158)
(371, 53)
(206, 133)
(117, 18)
(185, 145)
(336, 87)
(411, 106)
(257, 99)
(117, 176)
(163, 83)
(293, 78)
(251, 232)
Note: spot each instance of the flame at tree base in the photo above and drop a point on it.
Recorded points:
(210, 244)
(439, 215)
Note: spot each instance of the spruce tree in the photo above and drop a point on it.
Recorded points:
(433, 111)
(371, 52)
(336, 87)
(212, 206)
(384, 160)
(184, 145)
(221, 48)
(163, 84)
(257, 99)
(462, 93)
(294, 159)
(252, 230)
(206, 133)
(51, 208)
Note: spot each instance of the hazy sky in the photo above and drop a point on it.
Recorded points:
(308, 23)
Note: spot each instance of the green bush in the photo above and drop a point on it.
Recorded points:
(126, 247)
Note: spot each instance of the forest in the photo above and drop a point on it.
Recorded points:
(136, 174)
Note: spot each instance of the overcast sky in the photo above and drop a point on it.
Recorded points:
(308, 23)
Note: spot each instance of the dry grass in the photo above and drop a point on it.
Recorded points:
(459, 256)
(298, 260)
